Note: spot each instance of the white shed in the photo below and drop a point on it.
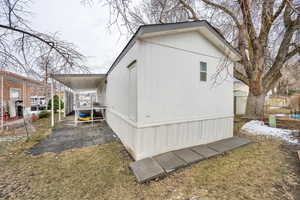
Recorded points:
(240, 91)
(160, 94)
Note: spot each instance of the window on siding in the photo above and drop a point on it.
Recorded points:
(203, 71)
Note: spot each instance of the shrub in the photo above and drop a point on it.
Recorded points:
(44, 114)
(56, 103)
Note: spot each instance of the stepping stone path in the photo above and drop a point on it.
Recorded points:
(169, 161)
(189, 156)
(158, 166)
(146, 169)
(205, 151)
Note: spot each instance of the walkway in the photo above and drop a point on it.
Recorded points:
(161, 165)
(67, 138)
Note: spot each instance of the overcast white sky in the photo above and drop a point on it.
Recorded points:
(84, 26)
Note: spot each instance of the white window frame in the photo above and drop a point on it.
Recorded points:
(203, 71)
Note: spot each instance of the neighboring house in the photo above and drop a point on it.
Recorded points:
(160, 95)
(38, 103)
(240, 91)
(38, 100)
(277, 101)
(18, 93)
(86, 99)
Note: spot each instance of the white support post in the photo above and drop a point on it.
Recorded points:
(97, 100)
(2, 103)
(65, 102)
(24, 98)
(92, 111)
(52, 103)
(59, 102)
(75, 106)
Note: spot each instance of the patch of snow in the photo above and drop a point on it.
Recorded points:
(256, 127)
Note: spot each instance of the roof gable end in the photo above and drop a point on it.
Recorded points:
(202, 26)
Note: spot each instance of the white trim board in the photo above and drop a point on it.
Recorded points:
(137, 125)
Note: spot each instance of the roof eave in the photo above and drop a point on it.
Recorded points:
(151, 28)
(220, 43)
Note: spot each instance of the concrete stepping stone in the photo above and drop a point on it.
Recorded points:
(237, 142)
(146, 170)
(205, 151)
(228, 144)
(169, 161)
(157, 166)
(219, 146)
(242, 141)
(189, 156)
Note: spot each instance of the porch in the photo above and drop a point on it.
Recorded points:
(83, 97)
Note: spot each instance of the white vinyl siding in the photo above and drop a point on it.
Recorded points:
(132, 97)
(170, 109)
(170, 92)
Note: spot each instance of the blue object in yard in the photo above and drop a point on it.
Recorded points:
(84, 115)
(295, 116)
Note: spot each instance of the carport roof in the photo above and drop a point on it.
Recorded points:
(80, 81)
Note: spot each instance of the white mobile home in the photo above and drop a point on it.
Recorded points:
(160, 94)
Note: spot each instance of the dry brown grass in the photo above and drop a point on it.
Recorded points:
(256, 171)
(42, 129)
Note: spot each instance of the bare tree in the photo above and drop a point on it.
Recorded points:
(290, 80)
(265, 32)
(22, 48)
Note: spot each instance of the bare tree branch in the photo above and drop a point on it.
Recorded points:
(266, 32)
(21, 47)
(190, 9)
(279, 10)
(227, 11)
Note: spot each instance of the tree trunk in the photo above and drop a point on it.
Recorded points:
(255, 105)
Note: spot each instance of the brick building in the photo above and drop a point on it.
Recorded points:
(17, 93)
